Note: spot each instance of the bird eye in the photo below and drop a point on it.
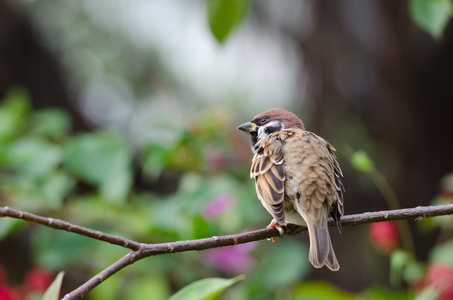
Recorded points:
(264, 120)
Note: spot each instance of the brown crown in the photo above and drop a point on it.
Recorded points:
(288, 118)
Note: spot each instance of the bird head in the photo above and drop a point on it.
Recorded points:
(268, 122)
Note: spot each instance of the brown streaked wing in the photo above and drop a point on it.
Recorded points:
(260, 164)
(268, 171)
(338, 184)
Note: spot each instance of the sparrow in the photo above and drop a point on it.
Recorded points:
(297, 179)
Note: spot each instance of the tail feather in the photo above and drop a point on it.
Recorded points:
(321, 250)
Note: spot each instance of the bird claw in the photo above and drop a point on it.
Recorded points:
(274, 241)
(274, 224)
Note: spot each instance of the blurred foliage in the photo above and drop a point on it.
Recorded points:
(205, 289)
(427, 280)
(362, 162)
(88, 179)
(103, 160)
(431, 15)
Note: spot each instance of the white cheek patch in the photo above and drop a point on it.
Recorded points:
(262, 134)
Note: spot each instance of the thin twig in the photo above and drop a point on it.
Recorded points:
(417, 213)
(66, 226)
(125, 261)
(145, 250)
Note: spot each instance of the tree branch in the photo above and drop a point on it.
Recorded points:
(125, 261)
(66, 226)
(141, 251)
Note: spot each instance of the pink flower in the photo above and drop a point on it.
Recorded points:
(38, 279)
(219, 205)
(216, 158)
(232, 259)
(440, 277)
(384, 236)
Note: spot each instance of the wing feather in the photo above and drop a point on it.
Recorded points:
(338, 209)
(275, 182)
(269, 173)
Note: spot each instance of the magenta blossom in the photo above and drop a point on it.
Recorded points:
(217, 206)
(232, 259)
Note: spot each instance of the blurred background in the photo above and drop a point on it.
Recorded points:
(121, 117)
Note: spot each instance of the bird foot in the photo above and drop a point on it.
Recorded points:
(274, 224)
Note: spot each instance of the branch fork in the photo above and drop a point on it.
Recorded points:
(142, 250)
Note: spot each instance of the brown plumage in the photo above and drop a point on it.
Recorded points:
(297, 178)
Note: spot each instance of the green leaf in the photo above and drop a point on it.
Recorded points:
(55, 187)
(413, 272)
(155, 158)
(95, 211)
(12, 112)
(379, 293)
(109, 289)
(224, 15)
(443, 253)
(321, 290)
(289, 263)
(53, 292)
(287, 268)
(431, 15)
(54, 123)
(10, 225)
(57, 249)
(101, 159)
(149, 287)
(205, 289)
(398, 259)
(429, 293)
(33, 156)
(362, 162)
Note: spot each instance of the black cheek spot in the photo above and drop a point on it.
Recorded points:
(254, 138)
(272, 129)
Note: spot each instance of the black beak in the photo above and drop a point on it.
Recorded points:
(248, 127)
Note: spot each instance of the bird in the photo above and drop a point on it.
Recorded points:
(297, 179)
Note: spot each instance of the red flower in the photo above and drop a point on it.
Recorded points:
(38, 279)
(384, 236)
(8, 293)
(440, 277)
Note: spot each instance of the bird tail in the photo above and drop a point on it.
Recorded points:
(321, 250)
